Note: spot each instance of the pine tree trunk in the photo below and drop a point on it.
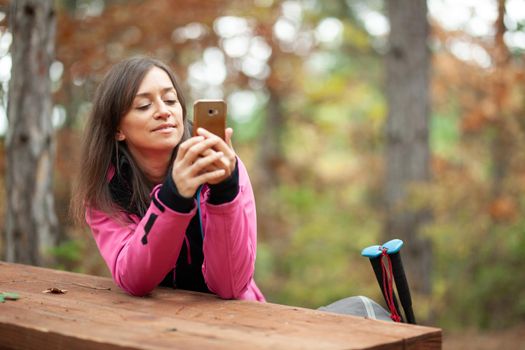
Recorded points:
(271, 148)
(502, 144)
(407, 134)
(31, 224)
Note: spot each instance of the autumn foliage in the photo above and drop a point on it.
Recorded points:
(328, 109)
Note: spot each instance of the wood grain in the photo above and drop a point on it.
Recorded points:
(95, 314)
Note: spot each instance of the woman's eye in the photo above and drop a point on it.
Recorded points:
(143, 107)
(170, 102)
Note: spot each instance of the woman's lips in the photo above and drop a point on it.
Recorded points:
(165, 128)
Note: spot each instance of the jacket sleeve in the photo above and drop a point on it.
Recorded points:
(230, 242)
(140, 254)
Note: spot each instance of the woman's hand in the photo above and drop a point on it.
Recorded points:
(194, 164)
(205, 158)
(227, 160)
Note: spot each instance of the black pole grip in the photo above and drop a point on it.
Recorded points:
(402, 287)
(378, 271)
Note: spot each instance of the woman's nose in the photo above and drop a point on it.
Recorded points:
(162, 111)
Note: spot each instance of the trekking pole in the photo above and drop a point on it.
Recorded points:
(375, 254)
(393, 248)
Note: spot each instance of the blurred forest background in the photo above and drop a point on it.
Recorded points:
(305, 83)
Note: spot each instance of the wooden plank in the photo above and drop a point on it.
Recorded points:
(95, 313)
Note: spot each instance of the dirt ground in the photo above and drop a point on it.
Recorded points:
(508, 339)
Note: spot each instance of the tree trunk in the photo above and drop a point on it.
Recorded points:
(502, 144)
(31, 224)
(407, 134)
(271, 149)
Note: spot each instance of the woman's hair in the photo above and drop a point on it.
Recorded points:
(100, 150)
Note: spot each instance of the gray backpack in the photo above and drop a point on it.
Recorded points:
(358, 306)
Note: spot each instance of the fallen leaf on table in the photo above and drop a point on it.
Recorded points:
(8, 296)
(55, 290)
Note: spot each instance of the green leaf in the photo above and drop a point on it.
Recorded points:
(8, 296)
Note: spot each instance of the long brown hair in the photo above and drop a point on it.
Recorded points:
(100, 150)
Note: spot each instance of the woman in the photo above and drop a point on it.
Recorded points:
(164, 208)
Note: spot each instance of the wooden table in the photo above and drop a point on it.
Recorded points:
(95, 314)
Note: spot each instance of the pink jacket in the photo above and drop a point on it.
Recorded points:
(230, 243)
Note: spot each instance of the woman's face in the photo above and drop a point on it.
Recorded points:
(154, 123)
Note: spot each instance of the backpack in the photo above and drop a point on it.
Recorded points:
(358, 306)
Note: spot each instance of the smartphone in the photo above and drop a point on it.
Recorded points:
(210, 115)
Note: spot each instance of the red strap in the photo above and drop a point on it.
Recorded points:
(387, 284)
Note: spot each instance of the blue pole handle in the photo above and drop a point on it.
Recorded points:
(393, 246)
